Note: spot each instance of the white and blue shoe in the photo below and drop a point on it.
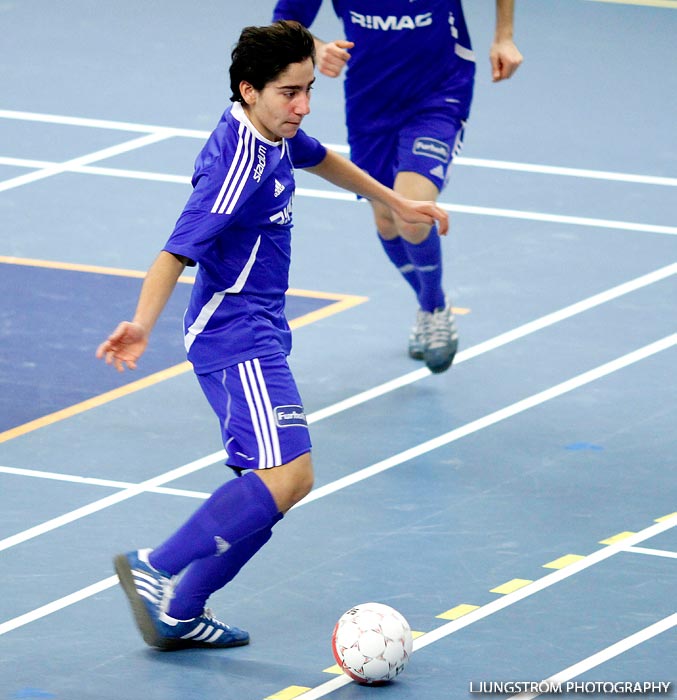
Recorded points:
(147, 589)
(203, 631)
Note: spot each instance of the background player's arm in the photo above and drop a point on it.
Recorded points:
(505, 57)
(332, 56)
(129, 340)
(341, 172)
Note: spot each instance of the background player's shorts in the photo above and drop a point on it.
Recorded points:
(260, 412)
(426, 144)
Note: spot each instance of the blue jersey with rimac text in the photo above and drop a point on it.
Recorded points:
(236, 226)
(409, 55)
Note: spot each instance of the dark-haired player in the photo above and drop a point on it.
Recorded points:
(236, 226)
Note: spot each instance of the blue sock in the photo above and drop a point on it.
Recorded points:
(234, 511)
(205, 576)
(398, 256)
(427, 259)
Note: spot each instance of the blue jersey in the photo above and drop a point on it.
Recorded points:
(408, 56)
(236, 226)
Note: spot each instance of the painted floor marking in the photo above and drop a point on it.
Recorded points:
(605, 654)
(341, 302)
(511, 586)
(342, 148)
(343, 196)
(458, 611)
(109, 152)
(493, 418)
(93, 481)
(566, 560)
(505, 338)
(537, 586)
(617, 538)
(447, 438)
(293, 691)
(652, 552)
(669, 4)
(512, 214)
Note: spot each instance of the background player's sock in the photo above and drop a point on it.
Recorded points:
(234, 511)
(205, 576)
(397, 254)
(427, 258)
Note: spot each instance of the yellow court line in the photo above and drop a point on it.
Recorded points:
(458, 611)
(669, 4)
(76, 267)
(566, 560)
(511, 586)
(617, 538)
(293, 691)
(341, 303)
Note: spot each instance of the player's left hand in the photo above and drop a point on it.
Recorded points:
(418, 212)
(505, 59)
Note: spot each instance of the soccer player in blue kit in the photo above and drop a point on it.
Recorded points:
(237, 226)
(408, 88)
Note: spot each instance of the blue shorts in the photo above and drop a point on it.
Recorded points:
(426, 144)
(262, 420)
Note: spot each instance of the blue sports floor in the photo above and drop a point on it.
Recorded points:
(520, 510)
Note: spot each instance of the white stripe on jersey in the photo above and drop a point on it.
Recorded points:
(213, 304)
(238, 173)
(263, 421)
(231, 170)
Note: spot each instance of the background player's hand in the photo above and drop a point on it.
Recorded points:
(505, 59)
(124, 346)
(419, 212)
(332, 56)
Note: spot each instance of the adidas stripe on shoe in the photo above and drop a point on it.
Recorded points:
(202, 631)
(144, 587)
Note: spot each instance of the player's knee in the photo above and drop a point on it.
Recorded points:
(386, 226)
(413, 233)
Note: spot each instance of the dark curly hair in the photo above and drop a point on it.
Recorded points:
(262, 53)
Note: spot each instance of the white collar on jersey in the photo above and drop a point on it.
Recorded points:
(241, 116)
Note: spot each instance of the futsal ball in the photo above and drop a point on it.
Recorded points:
(372, 643)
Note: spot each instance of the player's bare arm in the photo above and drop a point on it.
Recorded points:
(341, 172)
(129, 340)
(504, 55)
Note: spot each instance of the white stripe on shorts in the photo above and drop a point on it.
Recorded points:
(261, 413)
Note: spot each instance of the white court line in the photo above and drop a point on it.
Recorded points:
(342, 148)
(653, 552)
(604, 655)
(93, 481)
(102, 503)
(58, 168)
(382, 389)
(505, 338)
(57, 605)
(375, 392)
(513, 214)
(343, 196)
(505, 601)
(493, 418)
(447, 438)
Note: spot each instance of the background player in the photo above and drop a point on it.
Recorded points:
(408, 91)
(237, 227)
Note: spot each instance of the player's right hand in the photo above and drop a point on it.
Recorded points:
(333, 56)
(124, 346)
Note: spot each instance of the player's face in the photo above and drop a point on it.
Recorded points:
(278, 110)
